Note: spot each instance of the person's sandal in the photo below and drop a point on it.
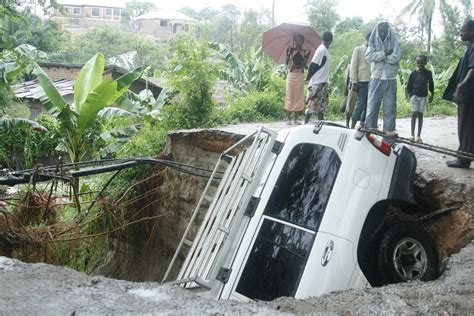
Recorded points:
(419, 140)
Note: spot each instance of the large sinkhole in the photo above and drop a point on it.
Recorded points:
(143, 251)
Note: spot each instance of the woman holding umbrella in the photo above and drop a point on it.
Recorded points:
(296, 59)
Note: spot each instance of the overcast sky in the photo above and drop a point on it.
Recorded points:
(294, 10)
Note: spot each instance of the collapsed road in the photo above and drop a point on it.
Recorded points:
(441, 187)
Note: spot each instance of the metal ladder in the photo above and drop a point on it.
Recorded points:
(246, 164)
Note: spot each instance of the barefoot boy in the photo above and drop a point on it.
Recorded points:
(419, 82)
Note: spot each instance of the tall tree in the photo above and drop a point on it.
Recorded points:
(322, 15)
(447, 47)
(26, 28)
(190, 12)
(349, 23)
(467, 9)
(225, 24)
(136, 8)
(136, 51)
(423, 10)
(249, 32)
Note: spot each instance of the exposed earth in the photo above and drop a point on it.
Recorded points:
(46, 289)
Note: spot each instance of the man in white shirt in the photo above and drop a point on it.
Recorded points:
(318, 76)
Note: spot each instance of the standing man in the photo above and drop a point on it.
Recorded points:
(360, 77)
(383, 54)
(463, 95)
(318, 76)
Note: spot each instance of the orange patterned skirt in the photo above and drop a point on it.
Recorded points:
(294, 99)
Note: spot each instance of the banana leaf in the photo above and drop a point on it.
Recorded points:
(7, 122)
(88, 79)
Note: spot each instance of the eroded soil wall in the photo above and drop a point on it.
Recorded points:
(144, 252)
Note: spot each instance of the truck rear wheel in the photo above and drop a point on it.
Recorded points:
(407, 253)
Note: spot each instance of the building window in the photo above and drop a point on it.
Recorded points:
(163, 23)
(108, 12)
(116, 12)
(76, 11)
(95, 12)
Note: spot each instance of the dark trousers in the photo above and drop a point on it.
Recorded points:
(466, 127)
(361, 105)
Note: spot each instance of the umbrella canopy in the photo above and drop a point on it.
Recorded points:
(277, 39)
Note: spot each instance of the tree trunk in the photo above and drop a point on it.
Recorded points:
(429, 35)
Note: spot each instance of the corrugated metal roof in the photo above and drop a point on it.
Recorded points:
(33, 90)
(165, 14)
(95, 3)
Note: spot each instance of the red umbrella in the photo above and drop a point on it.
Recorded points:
(277, 39)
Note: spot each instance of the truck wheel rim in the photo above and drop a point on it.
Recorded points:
(409, 259)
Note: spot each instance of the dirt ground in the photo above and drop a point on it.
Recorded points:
(44, 289)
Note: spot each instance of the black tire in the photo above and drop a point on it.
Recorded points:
(407, 253)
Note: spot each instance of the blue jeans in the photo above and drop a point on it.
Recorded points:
(386, 91)
(361, 105)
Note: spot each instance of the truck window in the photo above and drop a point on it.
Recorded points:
(279, 254)
(304, 186)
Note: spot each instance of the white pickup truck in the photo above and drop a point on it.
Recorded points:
(304, 212)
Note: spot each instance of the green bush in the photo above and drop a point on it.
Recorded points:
(255, 106)
(333, 113)
(192, 75)
(148, 141)
(22, 147)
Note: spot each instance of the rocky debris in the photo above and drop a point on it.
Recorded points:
(49, 290)
(41, 289)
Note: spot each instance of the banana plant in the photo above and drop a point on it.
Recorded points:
(247, 74)
(92, 93)
(13, 64)
(16, 62)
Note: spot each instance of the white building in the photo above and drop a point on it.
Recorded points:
(163, 23)
(90, 13)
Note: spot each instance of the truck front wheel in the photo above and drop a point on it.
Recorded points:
(407, 253)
